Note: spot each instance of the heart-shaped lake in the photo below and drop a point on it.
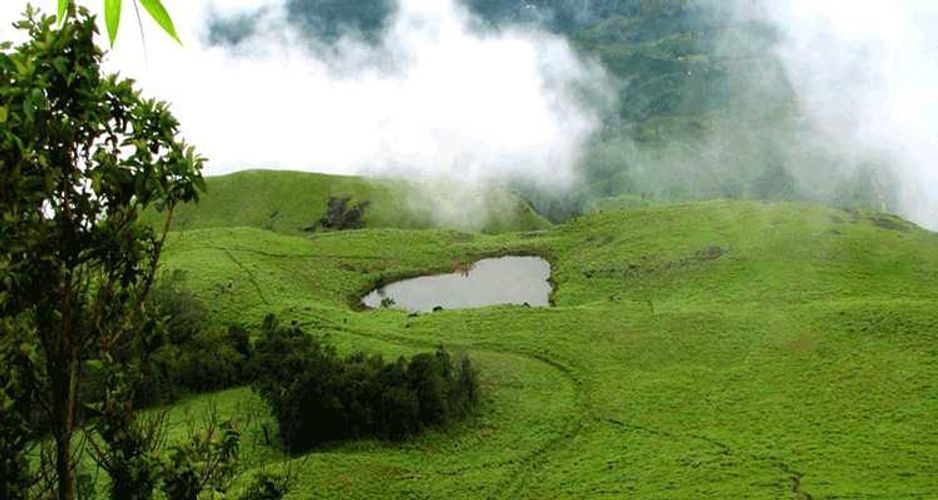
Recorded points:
(503, 280)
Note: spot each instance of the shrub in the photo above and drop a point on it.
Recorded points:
(182, 313)
(207, 462)
(207, 364)
(128, 443)
(341, 214)
(157, 384)
(238, 339)
(316, 396)
(183, 355)
(267, 486)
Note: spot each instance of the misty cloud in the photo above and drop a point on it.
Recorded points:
(865, 75)
(432, 96)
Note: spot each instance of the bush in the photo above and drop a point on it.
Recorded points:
(209, 364)
(207, 462)
(267, 486)
(340, 215)
(317, 396)
(182, 313)
(182, 354)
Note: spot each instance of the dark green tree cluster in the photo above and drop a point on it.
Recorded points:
(341, 214)
(318, 396)
(186, 355)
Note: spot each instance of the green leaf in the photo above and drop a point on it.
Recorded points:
(63, 8)
(159, 14)
(61, 65)
(29, 109)
(4, 113)
(112, 16)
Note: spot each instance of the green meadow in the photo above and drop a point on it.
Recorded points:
(715, 349)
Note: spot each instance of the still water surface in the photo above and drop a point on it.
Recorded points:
(503, 280)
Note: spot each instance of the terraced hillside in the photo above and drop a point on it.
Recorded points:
(292, 202)
(719, 349)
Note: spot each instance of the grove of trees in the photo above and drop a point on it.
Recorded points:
(318, 396)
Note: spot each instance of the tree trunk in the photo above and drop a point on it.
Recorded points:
(65, 473)
(65, 393)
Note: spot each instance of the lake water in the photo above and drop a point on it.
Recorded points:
(503, 280)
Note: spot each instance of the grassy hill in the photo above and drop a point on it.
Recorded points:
(288, 202)
(719, 349)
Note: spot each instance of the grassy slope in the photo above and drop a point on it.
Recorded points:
(287, 202)
(731, 350)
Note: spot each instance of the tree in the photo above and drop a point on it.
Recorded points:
(341, 215)
(81, 156)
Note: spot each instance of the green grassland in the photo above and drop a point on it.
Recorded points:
(716, 349)
(288, 202)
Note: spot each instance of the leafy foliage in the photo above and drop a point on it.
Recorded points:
(128, 447)
(182, 312)
(267, 486)
(82, 154)
(112, 16)
(161, 16)
(133, 450)
(187, 355)
(19, 388)
(207, 462)
(317, 396)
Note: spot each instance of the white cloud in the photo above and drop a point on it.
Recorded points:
(866, 75)
(432, 97)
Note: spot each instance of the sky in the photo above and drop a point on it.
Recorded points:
(432, 97)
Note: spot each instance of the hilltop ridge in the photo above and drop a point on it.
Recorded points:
(290, 202)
